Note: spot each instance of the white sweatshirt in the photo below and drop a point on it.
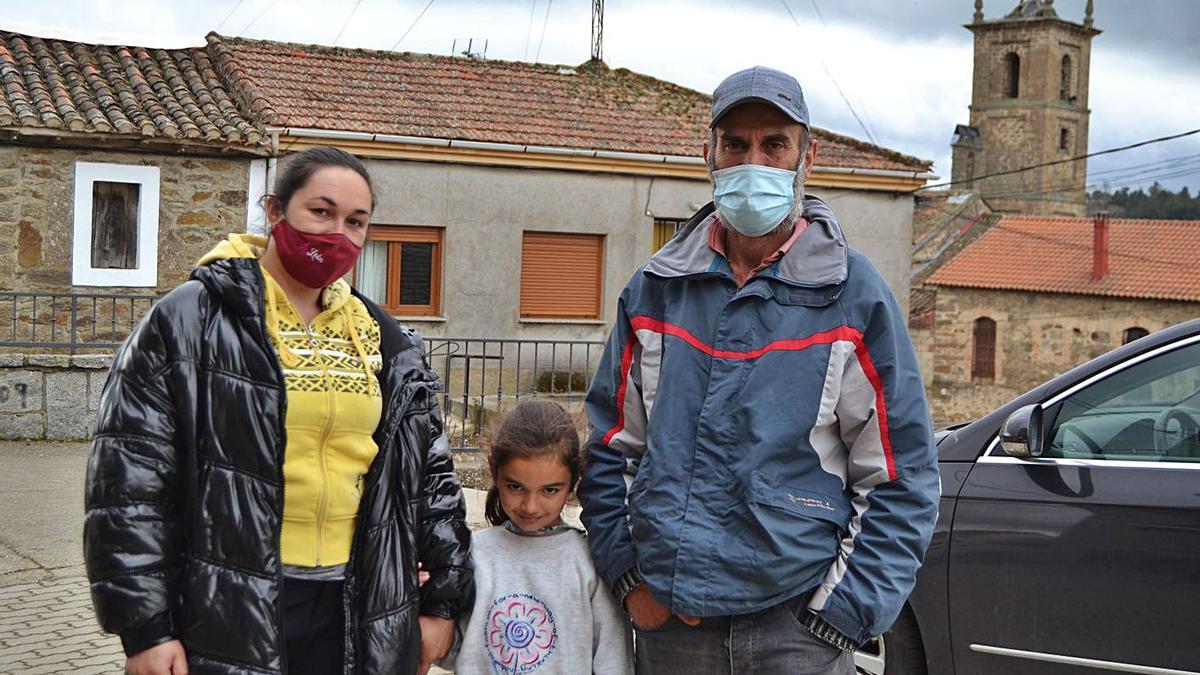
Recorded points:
(539, 608)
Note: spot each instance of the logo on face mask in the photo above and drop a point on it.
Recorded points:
(315, 260)
(753, 199)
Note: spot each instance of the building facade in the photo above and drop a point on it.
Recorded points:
(515, 199)
(1032, 297)
(1029, 107)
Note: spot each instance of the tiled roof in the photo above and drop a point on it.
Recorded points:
(590, 106)
(135, 92)
(1147, 258)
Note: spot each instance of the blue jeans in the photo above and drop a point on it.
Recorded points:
(766, 642)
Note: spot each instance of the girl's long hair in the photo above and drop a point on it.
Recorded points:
(534, 428)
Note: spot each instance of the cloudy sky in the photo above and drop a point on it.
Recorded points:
(903, 65)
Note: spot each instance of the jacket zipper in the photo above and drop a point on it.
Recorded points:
(280, 449)
(323, 501)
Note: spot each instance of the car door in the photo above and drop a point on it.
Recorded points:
(1088, 557)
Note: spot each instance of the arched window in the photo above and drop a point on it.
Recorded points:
(1064, 139)
(1064, 89)
(970, 170)
(1012, 64)
(983, 361)
(1134, 333)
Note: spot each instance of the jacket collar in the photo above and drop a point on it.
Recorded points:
(819, 257)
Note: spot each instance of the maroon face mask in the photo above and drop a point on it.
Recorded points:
(315, 260)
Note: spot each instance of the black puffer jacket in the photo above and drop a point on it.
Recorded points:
(185, 491)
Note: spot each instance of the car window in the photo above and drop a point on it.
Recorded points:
(1147, 412)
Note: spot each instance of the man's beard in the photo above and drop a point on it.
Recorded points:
(793, 214)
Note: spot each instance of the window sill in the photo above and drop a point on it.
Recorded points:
(419, 319)
(575, 322)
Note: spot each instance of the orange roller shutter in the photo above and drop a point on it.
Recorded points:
(561, 275)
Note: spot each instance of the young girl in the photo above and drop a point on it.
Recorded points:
(539, 605)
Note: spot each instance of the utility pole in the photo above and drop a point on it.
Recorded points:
(597, 30)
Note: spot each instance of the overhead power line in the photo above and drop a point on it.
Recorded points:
(235, 8)
(828, 73)
(260, 15)
(1160, 139)
(529, 30)
(346, 22)
(545, 21)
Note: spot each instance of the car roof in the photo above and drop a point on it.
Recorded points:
(967, 442)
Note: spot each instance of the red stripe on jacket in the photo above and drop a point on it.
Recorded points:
(839, 334)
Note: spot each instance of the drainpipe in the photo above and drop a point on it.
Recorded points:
(1100, 246)
(272, 160)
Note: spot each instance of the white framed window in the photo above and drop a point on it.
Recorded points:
(115, 239)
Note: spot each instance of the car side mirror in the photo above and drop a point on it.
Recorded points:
(1021, 433)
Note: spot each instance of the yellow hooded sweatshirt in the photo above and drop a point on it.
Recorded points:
(334, 404)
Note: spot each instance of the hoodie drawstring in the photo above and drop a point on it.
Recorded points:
(358, 346)
(286, 356)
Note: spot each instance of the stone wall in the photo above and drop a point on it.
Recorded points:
(50, 397)
(201, 199)
(1038, 336)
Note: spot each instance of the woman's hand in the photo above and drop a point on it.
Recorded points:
(165, 659)
(437, 636)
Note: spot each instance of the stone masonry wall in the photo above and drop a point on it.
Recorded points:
(201, 199)
(1038, 336)
(1019, 132)
(50, 397)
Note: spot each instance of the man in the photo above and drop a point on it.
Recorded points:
(763, 482)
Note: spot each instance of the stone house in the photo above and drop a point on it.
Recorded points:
(1033, 296)
(118, 165)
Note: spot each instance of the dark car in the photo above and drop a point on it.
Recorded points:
(1068, 539)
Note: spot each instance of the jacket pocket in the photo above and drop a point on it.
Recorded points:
(793, 533)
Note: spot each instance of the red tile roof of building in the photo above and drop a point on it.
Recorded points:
(407, 94)
(1147, 258)
(118, 91)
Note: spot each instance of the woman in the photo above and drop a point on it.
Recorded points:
(269, 467)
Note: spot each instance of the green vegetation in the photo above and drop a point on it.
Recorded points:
(1157, 203)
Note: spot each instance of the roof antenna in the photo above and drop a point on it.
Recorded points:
(597, 30)
(469, 51)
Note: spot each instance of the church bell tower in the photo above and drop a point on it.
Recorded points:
(1029, 105)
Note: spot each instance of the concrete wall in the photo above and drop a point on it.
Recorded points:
(1038, 336)
(484, 210)
(200, 200)
(51, 397)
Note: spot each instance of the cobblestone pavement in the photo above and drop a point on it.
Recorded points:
(46, 619)
(48, 627)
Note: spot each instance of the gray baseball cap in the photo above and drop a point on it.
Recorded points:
(760, 84)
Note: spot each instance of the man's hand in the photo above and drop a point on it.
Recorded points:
(647, 613)
(437, 635)
(165, 659)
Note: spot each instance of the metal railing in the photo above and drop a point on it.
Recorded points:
(482, 378)
(70, 321)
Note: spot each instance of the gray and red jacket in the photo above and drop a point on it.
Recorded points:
(752, 444)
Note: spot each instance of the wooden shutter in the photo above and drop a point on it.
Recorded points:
(561, 275)
(114, 225)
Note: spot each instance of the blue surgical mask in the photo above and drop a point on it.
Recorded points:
(753, 199)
